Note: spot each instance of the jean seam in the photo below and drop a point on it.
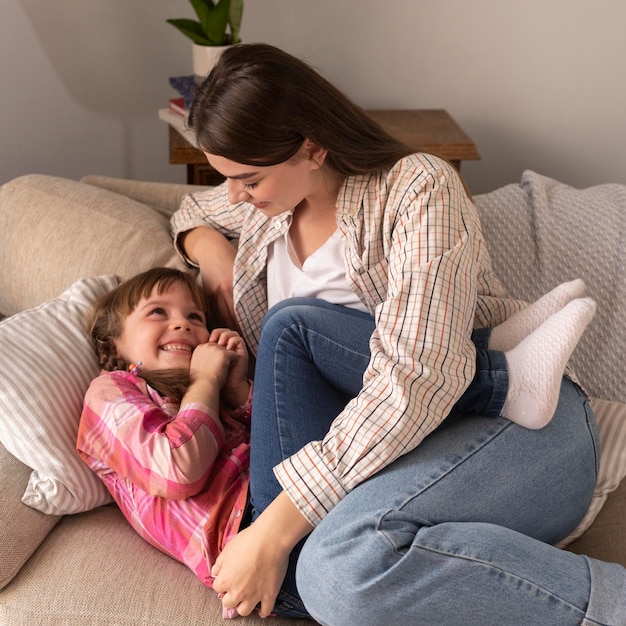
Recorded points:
(490, 566)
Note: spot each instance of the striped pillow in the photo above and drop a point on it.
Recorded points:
(46, 365)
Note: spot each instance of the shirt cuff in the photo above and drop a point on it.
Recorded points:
(309, 483)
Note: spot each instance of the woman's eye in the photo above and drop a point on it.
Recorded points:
(250, 185)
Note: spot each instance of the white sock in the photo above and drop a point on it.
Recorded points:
(537, 363)
(507, 335)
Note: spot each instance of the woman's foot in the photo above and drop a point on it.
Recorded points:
(537, 363)
(513, 330)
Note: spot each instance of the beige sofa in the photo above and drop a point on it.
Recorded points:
(89, 568)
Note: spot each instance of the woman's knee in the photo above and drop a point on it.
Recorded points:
(285, 314)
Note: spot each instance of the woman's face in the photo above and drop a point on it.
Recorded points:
(272, 189)
(163, 330)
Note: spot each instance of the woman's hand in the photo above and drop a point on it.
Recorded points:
(252, 566)
(215, 256)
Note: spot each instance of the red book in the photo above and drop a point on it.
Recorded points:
(177, 105)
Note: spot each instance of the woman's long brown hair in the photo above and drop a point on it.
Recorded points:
(258, 104)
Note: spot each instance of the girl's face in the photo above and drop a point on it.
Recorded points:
(163, 330)
(273, 189)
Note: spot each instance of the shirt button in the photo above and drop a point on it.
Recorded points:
(278, 225)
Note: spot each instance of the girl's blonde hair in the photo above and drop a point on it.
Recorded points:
(106, 318)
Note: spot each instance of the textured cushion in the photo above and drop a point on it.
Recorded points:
(46, 364)
(22, 528)
(541, 233)
(54, 231)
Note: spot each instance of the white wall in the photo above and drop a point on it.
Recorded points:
(538, 84)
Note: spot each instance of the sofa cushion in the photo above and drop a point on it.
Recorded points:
(22, 528)
(94, 570)
(54, 231)
(46, 365)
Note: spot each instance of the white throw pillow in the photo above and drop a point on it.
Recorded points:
(46, 365)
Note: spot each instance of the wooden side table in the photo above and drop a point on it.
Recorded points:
(426, 130)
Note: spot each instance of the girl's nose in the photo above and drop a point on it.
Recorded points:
(181, 324)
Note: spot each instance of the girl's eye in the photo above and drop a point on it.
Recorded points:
(157, 311)
(250, 185)
(197, 317)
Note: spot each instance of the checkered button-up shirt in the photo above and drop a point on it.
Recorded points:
(416, 257)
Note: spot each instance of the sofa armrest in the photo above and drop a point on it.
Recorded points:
(22, 529)
(164, 197)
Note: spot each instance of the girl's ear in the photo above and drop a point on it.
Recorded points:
(314, 152)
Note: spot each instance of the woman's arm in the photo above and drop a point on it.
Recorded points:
(206, 229)
(251, 568)
(210, 251)
(421, 256)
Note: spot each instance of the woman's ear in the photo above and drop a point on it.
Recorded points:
(314, 152)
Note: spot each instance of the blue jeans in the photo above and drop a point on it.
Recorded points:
(456, 531)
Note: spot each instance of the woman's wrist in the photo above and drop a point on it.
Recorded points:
(285, 522)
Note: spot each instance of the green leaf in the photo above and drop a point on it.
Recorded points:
(215, 22)
(202, 8)
(234, 19)
(191, 29)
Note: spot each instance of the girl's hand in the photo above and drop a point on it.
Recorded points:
(208, 371)
(252, 566)
(236, 386)
(211, 362)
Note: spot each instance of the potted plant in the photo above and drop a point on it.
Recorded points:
(217, 26)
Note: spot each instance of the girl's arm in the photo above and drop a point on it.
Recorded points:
(125, 428)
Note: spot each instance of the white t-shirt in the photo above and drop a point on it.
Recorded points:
(322, 275)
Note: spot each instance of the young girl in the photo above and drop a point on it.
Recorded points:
(411, 517)
(166, 425)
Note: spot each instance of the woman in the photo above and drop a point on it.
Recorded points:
(417, 519)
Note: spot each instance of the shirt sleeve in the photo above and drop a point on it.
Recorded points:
(422, 358)
(208, 208)
(123, 430)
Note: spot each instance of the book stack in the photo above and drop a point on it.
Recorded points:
(178, 108)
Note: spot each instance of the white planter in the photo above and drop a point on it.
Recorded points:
(204, 58)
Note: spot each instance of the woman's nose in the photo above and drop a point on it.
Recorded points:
(236, 192)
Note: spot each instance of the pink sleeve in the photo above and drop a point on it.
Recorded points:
(165, 453)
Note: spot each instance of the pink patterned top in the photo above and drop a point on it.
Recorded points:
(179, 474)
